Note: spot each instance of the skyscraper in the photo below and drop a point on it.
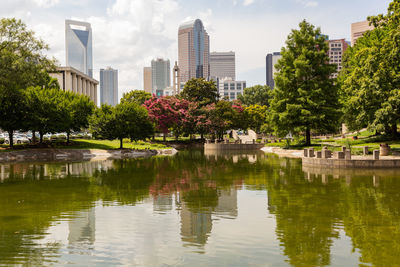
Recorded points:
(160, 76)
(109, 86)
(222, 65)
(358, 29)
(271, 60)
(78, 45)
(193, 51)
(147, 80)
(335, 53)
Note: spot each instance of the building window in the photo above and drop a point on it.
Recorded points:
(226, 86)
(232, 95)
(232, 86)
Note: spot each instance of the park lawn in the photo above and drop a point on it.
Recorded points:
(92, 144)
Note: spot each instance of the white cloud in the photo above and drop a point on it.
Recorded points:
(46, 3)
(248, 2)
(308, 3)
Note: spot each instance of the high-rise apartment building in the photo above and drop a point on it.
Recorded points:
(230, 89)
(271, 61)
(222, 65)
(147, 80)
(193, 51)
(109, 86)
(335, 53)
(78, 46)
(160, 76)
(358, 29)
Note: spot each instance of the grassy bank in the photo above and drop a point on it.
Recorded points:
(89, 144)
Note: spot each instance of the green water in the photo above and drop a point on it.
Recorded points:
(198, 210)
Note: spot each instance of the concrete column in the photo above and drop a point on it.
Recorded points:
(376, 154)
(319, 154)
(216, 141)
(305, 152)
(76, 84)
(68, 81)
(311, 152)
(83, 87)
(80, 86)
(365, 150)
(95, 94)
(340, 155)
(88, 88)
(347, 155)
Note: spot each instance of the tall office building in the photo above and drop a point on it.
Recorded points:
(271, 61)
(335, 53)
(147, 80)
(193, 51)
(109, 86)
(78, 45)
(222, 65)
(160, 76)
(358, 29)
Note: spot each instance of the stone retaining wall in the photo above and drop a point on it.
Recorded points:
(354, 163)
(222, 146)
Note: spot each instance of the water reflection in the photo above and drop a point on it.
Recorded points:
(125, 211)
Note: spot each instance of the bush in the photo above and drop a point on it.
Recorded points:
(1, 141)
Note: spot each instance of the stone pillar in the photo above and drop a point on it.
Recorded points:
(208, 141)
(344, 149)
(216, 141)
(83, 87)
(254, 141)
(226, 141)
(305, 152)
(311, 152)
(376, 154)
(79, 85)
(68, 81)
(319, 154)
(240, 141)
(365, 150)
(347, 155)
(340, 155)
(95, 94)
(326, 154)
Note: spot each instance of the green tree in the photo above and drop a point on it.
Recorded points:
(370, 79)
(23, 64)
(137, 96)
(305, 98)
(256, 116)
(201, 91)
(126, 120)
(256, 95)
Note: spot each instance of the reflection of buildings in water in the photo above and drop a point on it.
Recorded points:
(162, 203)
(227, 203)
(82, 228)
(195, 225)
(252, 157)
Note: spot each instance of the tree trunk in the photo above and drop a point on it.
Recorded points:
(33, 137)
(121, 143)
(394, 131)
(202, 136)
(165, 137)
(41, 137)
(308, 137)
(67, 137)
(11, 138)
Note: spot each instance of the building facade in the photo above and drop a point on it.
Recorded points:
(71, 79)
(230, 89)
(271, 61)
(335, 53)
(160, 75)
(109, 86)
(222, 65)
(193, 51)
(78, 46)
(358, 29)
(147, 80)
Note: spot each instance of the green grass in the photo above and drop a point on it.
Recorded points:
(92, 144)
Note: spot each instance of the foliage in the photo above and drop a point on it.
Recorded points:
(305, 97)
(371, 76)
(200, 91)
(256, 117)
(126, 120)
(137, 96)
(256, 95)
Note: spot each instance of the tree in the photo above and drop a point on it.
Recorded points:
(256, 95)
(201, 91)
(256, 116)
(305, 97)
(126, 120)
(22, 65)
(370, 79)
(137, 96)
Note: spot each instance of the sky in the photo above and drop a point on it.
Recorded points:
(128, 34)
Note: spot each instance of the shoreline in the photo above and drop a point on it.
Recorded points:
(63, 155)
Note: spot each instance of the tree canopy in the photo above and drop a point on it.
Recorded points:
(138, 96)
(305, 97)
(370, 79)
(256, 95)
(201, 91)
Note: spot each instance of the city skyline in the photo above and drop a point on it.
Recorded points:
(138, 31)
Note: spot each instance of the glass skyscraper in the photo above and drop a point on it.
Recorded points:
(109, 86)
(194, 51)
(78, 45)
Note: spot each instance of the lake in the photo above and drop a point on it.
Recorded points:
(196, 209)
